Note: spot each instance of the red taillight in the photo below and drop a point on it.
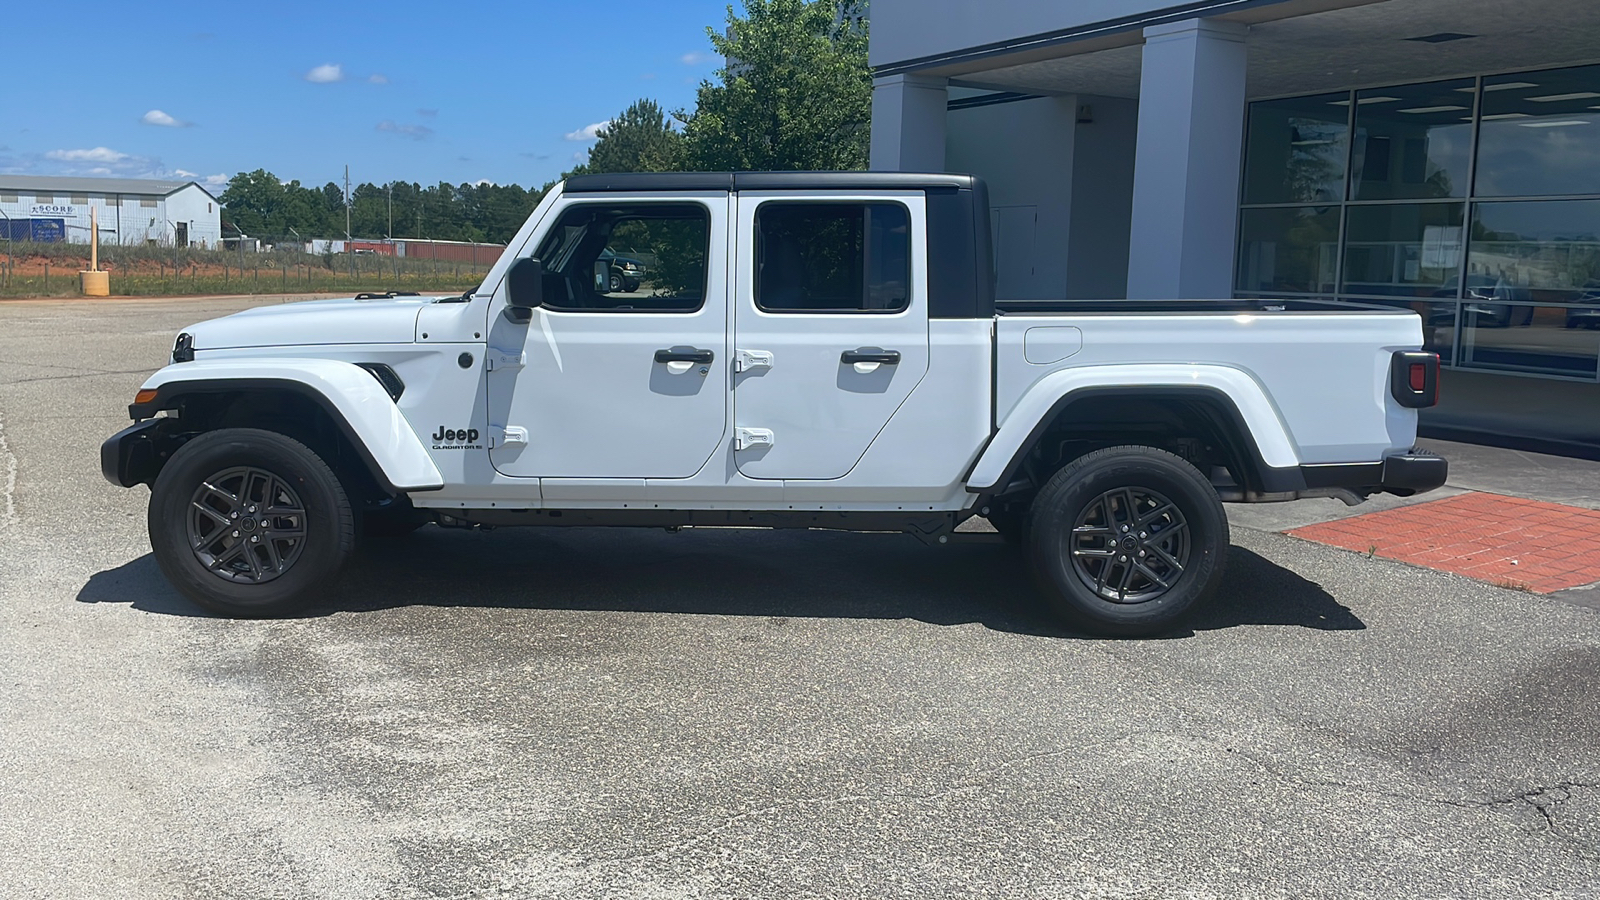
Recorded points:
(1414, 378)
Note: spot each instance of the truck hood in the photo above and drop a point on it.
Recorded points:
(385, 320)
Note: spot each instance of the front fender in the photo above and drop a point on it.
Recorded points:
(1052, 393)
(350, 395)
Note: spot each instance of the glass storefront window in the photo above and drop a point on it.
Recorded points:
(1296, 150)
(1413, 142)
(1540, 134)
(1496, 245)
(1523, 338)
(1288, 250)
(1403, 250)
(1547, 249)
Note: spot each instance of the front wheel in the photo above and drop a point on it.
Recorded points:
(250, 523)
(1127, 540)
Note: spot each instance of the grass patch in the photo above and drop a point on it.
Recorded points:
(51, 270)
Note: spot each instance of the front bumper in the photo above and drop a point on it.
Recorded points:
(135, 454)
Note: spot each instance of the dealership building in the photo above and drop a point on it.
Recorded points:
(1440, 155)
(47, 208)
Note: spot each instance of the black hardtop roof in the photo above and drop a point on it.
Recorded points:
(766, 181)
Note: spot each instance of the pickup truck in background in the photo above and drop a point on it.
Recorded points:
(806, 350)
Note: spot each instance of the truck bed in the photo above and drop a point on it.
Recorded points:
(1235, 305)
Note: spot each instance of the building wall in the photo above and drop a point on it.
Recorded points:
(912, 29)
(1102, 199)
(200, 210)
(124, 219)
(1029, 174)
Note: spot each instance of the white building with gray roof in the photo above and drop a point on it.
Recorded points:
(131, 210)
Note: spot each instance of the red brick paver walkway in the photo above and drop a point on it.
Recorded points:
(1543, 547)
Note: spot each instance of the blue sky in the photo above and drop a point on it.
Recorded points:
(454, 91)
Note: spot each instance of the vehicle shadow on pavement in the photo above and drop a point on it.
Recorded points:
(734, 573)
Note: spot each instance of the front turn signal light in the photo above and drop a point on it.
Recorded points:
(148, 395)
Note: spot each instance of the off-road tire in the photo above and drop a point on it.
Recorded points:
(1185, 541)
(325, 519)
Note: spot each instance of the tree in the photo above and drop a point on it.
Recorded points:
(641, 139)
(796, 91)
(252, 199)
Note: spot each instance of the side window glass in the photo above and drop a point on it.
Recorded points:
(643, 257)
(832, 257)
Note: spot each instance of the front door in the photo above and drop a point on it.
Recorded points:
(181, 238)
(830, 327)
(617, 377)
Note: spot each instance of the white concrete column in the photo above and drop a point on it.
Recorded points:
(1187, 164)
(908, 113)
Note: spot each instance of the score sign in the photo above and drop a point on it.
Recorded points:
(52, 209)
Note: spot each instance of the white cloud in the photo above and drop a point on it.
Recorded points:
(696, 58)
(217, 180)
(94, 161)
(588, 132)
(183, 173)
(98, 154)
(415, 132)
(157, 117)
(377, 78)
(484, 181)
(327, 73)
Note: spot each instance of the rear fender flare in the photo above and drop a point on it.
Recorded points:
(1054, 393)
(350, 395)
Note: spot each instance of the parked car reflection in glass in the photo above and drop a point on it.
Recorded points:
(1489, 302)
(1578, 317)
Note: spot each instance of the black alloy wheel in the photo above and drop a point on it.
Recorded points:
(248, 522)
(246, 525)
(1130, 545)
(1126, 541)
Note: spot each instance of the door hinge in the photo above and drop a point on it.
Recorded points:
(745, 360)
(751, 438)
(495, 360)
(506, 436)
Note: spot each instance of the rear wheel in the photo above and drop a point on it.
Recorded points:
(1127, 540)
(247, 522)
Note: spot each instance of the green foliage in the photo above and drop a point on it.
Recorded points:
(641, 139)
(263, 207)
(796, 92)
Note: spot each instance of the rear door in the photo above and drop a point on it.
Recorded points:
(830, 326)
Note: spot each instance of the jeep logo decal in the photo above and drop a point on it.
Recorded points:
(456, 439)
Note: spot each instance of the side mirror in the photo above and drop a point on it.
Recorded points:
(524, 288)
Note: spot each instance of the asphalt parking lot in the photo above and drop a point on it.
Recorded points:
(629, 714)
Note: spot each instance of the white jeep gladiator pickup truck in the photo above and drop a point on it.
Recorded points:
(804, 350)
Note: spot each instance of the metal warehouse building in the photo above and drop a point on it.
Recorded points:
(131, 210)
(1441, 155)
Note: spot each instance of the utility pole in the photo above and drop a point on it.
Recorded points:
(391, 212)
(347, 203)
